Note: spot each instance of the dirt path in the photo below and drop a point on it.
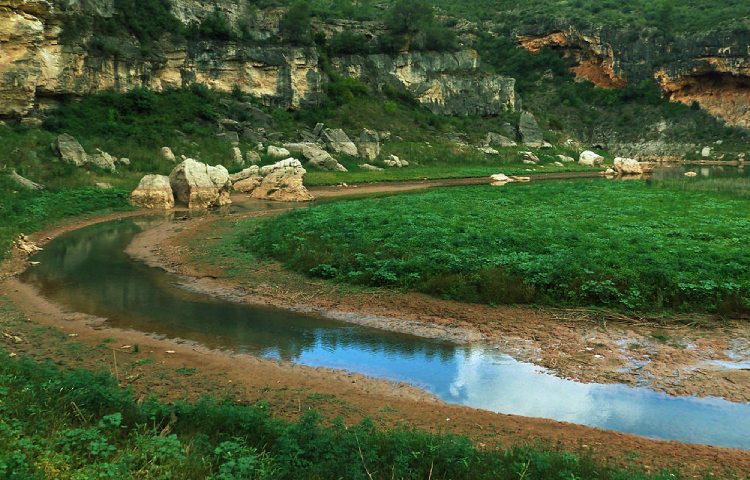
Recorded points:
(291, 389)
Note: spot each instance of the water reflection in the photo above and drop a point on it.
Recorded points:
(88, 271)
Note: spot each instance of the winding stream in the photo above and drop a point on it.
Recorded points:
(88, 271)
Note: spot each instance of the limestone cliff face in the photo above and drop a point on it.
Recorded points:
(36, 68)
(446, 83)
(712, 70)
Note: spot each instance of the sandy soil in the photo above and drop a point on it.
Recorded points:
(566, 342)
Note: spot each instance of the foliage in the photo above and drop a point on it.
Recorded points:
(295, 26)
(78, 424)
(26, 212)
(570, 243)
(412, 25)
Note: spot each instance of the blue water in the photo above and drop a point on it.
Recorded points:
(88, 271)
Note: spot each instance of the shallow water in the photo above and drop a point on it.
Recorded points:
(88, 271)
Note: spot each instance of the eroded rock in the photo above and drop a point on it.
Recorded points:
(339, 142)
(155, 192)
(369, 145)
(590, 159)
(70, 151)
(283, 182)
(627, 166)
(199, 185)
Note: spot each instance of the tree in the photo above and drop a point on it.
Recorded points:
(295, 25)
(409, 16)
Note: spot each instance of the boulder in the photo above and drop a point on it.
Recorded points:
(566, 159)
(252, 157)
(154, 191)
(529, 130)
(248, 185)
(237, 157)
(373, 168)
(283, 182)
(245, 174)
(316, 156)
(24, 182)
(277, 152)
(627, 166)
(318, 130)
(199, 185)
(103, 160)
(166, 154)
(369, 145)
(590, 159)
(338, 142)
(496, 140)
(70, 151)
(706, 152)
(529, 158)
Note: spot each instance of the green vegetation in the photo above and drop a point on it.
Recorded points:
(625, 245)
(78, 424)
(26, 212)
(662, 17)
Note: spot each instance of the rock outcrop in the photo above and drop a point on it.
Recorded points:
(154, 192)
(711, 70)
(283, 182)
(448, 83)
(198, 185)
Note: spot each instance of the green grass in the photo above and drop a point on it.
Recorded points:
(26, 212)
(78, 424)
(624, 245)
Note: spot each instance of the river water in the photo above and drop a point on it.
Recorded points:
(88, 271)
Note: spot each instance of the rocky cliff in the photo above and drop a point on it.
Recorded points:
(447, 83)
(37, 66)
(712, 70)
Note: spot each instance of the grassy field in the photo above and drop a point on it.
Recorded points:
(626, 245)
(82, 425)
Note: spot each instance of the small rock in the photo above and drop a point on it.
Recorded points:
(103, 186)
(237, 156)
(691, 174)
(529, 157)
(706, 152)
(566, 159)
(166, 154)
(488, 151)
(367, 166)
